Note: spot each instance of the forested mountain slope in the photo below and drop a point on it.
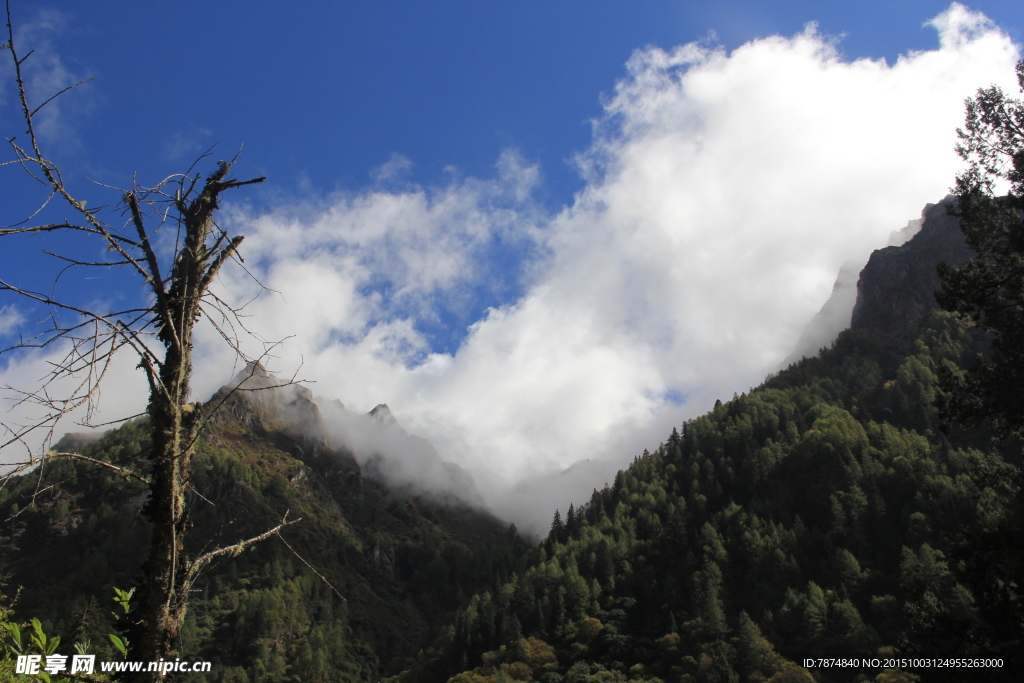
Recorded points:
(400, 562)
(828, 512)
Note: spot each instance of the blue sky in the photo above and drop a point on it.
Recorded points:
(542, 232)
(322, 93)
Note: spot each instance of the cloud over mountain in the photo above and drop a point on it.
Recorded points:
(723, 192)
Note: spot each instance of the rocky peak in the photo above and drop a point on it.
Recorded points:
(404, 462)
(258, 401)
(288, 414)
(897, 287)
(833, 318)
(383, 415)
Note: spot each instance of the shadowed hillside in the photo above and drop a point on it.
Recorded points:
(827, 513)
(399, 561)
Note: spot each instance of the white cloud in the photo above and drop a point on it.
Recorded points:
(45, 75)
(10, 319)
(393, 169)
(724, 191)
(422, 246)
(958, 27)
(121, 395)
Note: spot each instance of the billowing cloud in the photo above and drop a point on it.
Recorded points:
(31, 390)
(724, 191)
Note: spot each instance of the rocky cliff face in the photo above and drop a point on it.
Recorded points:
(309, 429)
(835, 315)
(263, 404)
(833, 318)
(897, 286)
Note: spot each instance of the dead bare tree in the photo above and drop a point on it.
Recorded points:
(159, 333)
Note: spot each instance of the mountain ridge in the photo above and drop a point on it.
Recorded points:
(901, 273)
(399, 560)
(375, 442)
(827, 513)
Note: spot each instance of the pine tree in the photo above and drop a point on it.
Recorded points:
(557, 528)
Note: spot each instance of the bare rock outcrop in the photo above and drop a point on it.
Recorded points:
(897, 287)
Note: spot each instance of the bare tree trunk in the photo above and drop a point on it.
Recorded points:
(93, 336)
(163, 593)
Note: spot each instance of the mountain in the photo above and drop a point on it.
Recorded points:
(901, 281)
(377, 566)
(376, 441)
(897, 286)
(827, 513)
(833, 318)
(392, 456)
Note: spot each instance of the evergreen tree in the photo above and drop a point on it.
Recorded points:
(989, 289)
(557, 528)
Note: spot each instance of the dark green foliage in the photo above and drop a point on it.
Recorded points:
(400, 562)
(988, 292)
(822, 513)
(989, 289)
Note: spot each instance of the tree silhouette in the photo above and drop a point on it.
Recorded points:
(177, 283)
(988, 290)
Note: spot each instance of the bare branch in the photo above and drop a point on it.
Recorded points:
(122, 470)
(115, 329)
(308, 566)
(67, 226)
(153, 277)
(201, 496)
(76, 262)
(53, 97)
(223, 256)
(120, 420)
(200, 562)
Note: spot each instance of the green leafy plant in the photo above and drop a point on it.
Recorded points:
(31, 639)
(123, 599)
(15, 646)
